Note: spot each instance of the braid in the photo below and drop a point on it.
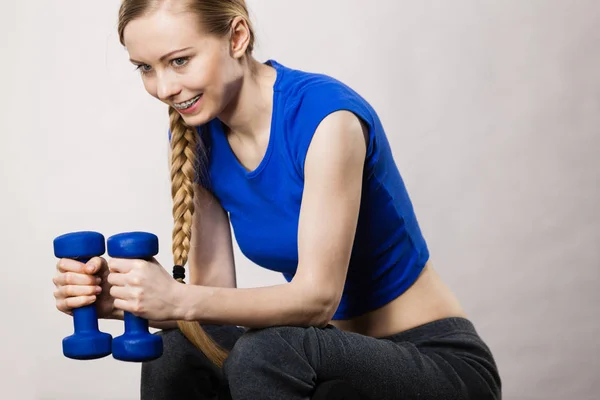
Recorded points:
(184, 147)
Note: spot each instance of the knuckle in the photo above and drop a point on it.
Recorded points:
(68, 291)
(136, 280)
(69, 303)
(137, 307)
(64, 263)
(135, 295)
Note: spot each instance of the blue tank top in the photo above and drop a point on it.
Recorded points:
(389, 250)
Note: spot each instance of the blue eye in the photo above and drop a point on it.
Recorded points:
(177, 63)
(181, 61)
(142, 68)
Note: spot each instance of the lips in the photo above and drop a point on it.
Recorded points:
(186, 104)
(190, 107)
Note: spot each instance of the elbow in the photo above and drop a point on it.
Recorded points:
(327, 306)
(322, 316)
(319, 305)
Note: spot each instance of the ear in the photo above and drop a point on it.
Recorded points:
(240, 37)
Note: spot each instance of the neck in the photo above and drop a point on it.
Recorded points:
(249, 113)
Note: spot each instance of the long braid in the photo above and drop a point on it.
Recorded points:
(184, 148)
(215, 17)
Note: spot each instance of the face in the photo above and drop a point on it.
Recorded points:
(192, 71)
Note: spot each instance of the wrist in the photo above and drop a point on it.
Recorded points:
(185, 299)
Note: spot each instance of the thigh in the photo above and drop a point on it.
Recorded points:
(379, 369)
(444, 359)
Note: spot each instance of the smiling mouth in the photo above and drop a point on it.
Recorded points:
(187, 104)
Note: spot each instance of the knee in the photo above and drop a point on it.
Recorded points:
(178, 360)
(258, 348)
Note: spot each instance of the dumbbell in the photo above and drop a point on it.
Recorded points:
(87, 342)
(137, 343)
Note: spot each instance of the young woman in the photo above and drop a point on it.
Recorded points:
(300, 165)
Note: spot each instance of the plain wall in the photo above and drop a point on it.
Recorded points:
(493, 112)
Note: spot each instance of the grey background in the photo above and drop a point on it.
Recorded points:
(492, 109)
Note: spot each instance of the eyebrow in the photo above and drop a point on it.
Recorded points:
(163, 57)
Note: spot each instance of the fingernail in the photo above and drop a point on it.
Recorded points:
(98, 281)
(98, 289)
(91, 268)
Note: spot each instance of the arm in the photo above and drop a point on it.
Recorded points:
(328, 218)
(211, 261)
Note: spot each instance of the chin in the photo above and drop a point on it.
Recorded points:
(198, 119)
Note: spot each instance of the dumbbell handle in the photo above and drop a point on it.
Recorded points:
(85, 318)
(133, 245)
(135, 324)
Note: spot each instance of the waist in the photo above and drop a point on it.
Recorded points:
(427, 299)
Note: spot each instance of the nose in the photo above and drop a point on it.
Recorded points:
(167, 87)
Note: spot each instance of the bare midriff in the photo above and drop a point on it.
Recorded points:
(428, 299)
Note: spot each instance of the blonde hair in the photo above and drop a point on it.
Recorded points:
(187, 149)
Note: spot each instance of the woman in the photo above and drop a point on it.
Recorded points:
(300, 165)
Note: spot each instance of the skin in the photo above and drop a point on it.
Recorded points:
(239, 90)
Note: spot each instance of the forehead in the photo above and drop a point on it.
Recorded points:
(150, 37)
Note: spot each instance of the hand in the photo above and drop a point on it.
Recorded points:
(144, 288)
(78, 284)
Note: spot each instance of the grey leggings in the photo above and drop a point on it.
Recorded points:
(444, 359)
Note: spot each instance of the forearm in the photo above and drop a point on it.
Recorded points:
(287, 304)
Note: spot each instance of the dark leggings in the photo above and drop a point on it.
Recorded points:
(444, 359)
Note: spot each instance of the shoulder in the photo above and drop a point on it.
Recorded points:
(305, 94)
(340, 140)
(314, 102)
(312, 96)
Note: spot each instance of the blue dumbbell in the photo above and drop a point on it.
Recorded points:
(137, 343)
(87, 342)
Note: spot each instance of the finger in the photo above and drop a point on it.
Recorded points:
(126, 306)
(69, 265)
(75, 291)
(94, 265)
(121, 293)
(117, 279)
(122, 265)
(77, 302)
(72, 278)
(62, 307)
